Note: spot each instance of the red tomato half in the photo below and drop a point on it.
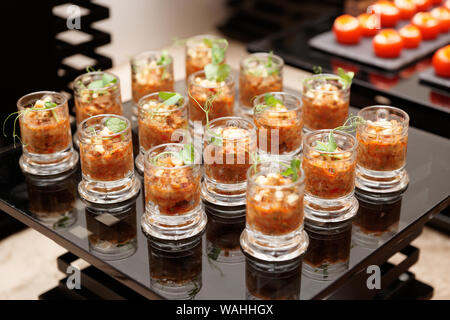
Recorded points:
(423, 5)
(411, 36)
(442, 14)
(427, 24)
(441, 62)
(347, 30)
(388, 12)
(370, 24)
(407, 8)
(436, 2)
(387, 43)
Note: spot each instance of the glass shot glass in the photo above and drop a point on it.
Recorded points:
(376, 221)
(328, 253)
(381, 158)
(107, 165)
(159, 123)
(96, 93)
(274, 220)
(325, 102)
(259, 73)
(229, 144)
(151, 71)
(279, 127)
(173, 209)
(176, 267)
(112, 230)
(199, 53)
(330, 176)
(52, 199)
(200, 89)
(46, 136)
(269, 280)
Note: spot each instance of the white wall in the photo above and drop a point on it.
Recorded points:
(140, 25)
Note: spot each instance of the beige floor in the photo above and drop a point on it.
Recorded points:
(28, 259)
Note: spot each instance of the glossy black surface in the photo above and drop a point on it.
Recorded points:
(218, 271)
(429, 103)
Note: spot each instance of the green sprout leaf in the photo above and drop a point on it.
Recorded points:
(170, 98)
(208, 42)
(217, 53)
(293, 170)
(346, 77)
(164, 58)
(187, 154)
(271, 101)
(116, 125)
(317, 69)
(217, 72)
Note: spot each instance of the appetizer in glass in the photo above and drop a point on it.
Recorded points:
(279, 123)
(176, 267)
(96, 92)
(382, 144)
(274, 220)
(200, 89)
(229, 143)
(376, 221)
(45, 134)
(199, 52)
(326, 99)
(52, 199)
(172, 192)
(260, 73)
(272, 281)
(112, 231)
(163, 118)
(329, 162)
(106, 152)
(328, 253)
(151, 71)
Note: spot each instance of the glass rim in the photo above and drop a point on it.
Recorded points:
(251, 175)
(329, 76)
(201, 73)
(192, 41)
(20, 103)
(107, 115)
(391, 108)
(144, 54)
(282, 93)
(148, 164)
(327, 131)
(144, 99)
(258, 55)
(251, 131)
(77, 88)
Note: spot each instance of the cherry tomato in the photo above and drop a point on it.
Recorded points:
(411, 36)
(407, 8)
(370, 24)
(436, 2)
(422, 5)
(441, 62)
(428, 25)
(347, 30)
(388, 12)
(387, 43)
(442, 14)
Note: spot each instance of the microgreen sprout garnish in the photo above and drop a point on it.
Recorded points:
(186, 154)
(317, 69)
(216, 70)
(116, 125)
(345, 78)
(269, 102)
(47, 105)
(271, 69)
(215, 139)
(293, 170)
(349, 126)
(170, 98)
(164, 58)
